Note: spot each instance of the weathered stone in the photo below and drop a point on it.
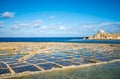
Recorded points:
(102, 35)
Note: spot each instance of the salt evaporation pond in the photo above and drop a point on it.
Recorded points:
(44, 61)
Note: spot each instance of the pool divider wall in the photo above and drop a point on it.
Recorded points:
(74, 62)
(58, 64)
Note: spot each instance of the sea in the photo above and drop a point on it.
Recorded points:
(57, 39)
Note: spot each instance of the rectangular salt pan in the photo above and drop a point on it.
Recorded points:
(39, 56)
(25, 68)
(12, 62)
(65, 63)
(18, 64)
(8, 60)
(52, 59)
(2, 65)
(79, 61)
(36, 61)
(48, 66)
(77, 56)
(68, 57)
(105, 59)
(4, 71)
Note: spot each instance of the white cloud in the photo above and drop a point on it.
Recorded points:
(52, 17)
(53, 24)
(93, 28)
(43, 27)
(109, 23)
(20, 25)
(54, 28)
(26, 25)
(8, 14)
(37, 23)
(62, 28)
(14, 27)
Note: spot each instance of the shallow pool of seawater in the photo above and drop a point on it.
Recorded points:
(70, 58)
(107, 71)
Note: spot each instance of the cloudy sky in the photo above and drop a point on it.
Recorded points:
(58, 18)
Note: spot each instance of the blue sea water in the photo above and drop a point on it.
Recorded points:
(57, 39)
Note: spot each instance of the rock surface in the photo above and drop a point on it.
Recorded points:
(102, 35)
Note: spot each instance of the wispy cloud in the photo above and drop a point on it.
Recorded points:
(8, 14)
(20, 25)
(54, 28)
(26, 25)
(37, 23)
(52, 17)
(62, 28)
(91, 28)
(1, 24)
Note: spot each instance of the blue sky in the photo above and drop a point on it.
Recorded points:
(58, 18)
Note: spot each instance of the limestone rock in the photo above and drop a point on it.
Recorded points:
(102, 35)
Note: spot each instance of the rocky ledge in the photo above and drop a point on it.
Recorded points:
(102, 35)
